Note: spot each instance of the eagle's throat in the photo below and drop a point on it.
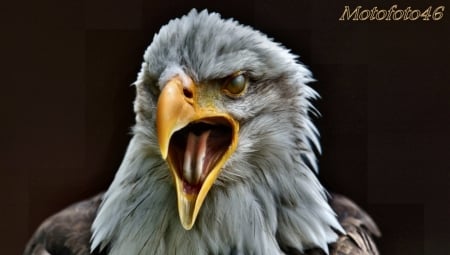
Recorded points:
(195, 150)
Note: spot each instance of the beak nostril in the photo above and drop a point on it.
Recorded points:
(188, 93)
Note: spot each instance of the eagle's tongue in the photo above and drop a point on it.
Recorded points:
(194, 157)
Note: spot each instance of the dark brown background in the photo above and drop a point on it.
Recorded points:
(66, 106)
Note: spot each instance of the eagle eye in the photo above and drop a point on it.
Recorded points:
(236, 84)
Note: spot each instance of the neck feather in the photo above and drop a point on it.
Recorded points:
(139, 214)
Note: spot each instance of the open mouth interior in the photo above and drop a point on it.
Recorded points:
(196, 149)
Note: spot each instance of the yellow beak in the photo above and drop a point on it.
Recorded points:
(180, 108)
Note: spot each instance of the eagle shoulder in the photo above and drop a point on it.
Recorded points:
(359, 226)
(68, 232)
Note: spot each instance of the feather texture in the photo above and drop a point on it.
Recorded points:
(68, 232)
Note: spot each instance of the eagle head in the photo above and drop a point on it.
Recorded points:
(222, 157)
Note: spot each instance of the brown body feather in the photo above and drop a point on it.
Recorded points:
(68, 232)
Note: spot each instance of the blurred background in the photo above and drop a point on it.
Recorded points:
(66, 105)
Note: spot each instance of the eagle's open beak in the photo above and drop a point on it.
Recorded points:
(196, 139)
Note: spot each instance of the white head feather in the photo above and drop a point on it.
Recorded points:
(267, 199)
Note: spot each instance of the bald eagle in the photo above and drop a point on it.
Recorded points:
(222, 158)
